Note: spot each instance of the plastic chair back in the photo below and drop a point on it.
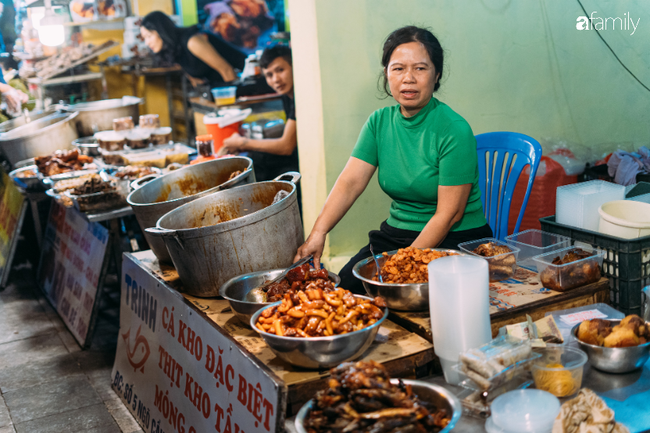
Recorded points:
(502, 157)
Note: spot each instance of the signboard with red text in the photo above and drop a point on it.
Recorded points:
(71, 265)
(176, 371)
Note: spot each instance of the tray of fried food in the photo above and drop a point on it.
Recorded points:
(501, 257)
(361, 397)
(569, 268)
(317, 312)
(62, 161)
(409, 265)
(496, 362)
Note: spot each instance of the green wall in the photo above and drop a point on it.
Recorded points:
(510, 65)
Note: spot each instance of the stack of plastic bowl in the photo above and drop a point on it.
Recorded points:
(523, 411)
(577, 204)
(627, 219)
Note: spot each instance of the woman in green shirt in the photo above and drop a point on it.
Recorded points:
(426, 157)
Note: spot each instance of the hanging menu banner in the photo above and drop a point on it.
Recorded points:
(12, 212)
(71, 265)
(177, 372)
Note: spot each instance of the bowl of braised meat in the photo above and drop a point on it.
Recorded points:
(615, 346)
(405, 276)
(237, 290)
(318, 328)
(361, 397)
(569, 268)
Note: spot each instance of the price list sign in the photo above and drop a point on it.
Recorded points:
(70, 267)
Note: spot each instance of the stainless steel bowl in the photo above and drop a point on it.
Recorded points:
(405, 297)
(427, 392)
(26, 182)
(319, 353)
(87, 146)
(235, 290)
(614, 359)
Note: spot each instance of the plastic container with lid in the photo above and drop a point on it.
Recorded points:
(523, 411)
(225, 124)
(501, 266)
(534, 242)
(577, 204)
(150, 121)
(123, 124)
(563, 277)
(224, 95)
(559, 370)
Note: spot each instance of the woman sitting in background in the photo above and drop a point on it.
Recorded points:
(204, 57)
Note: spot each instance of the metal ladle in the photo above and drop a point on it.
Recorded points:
(381, 280)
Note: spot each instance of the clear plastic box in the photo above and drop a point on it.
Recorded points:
(563, 277)
(501, 266)
(533, 243)
(515, 354)
(577, 204)
(559, 370)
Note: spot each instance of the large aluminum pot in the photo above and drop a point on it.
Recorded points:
(232, 232)
(98, 115)
(157, 197)
(39, 137)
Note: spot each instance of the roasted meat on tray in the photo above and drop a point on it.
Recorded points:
(360, 398)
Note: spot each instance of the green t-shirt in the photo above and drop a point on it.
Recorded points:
(416, 154)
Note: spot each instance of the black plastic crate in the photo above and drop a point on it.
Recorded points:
(626, 264)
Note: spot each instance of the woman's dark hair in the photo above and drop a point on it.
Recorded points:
(7, 61)
(172, 36)
(273, 53)
(408, 34)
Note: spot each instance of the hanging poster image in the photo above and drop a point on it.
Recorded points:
(70, 267)
(12, 211)
(245, 24)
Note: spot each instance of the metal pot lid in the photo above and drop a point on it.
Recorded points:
(38, 126)
(104, 104)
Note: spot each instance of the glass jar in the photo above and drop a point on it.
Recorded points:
(204, 145)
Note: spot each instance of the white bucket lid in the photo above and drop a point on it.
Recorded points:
(229, 117)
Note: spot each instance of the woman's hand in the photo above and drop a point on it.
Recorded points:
(195, 81)
(233, 144)
(314, 245)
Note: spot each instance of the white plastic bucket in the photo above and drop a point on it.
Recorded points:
(625, 219)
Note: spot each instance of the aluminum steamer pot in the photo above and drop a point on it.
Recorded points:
(165, 193)
(232, 232)
(39, 137)
(98, 115)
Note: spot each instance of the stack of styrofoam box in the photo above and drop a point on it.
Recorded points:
(577, 204)
(133, 43)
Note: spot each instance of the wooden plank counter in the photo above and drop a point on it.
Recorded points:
(512, 299)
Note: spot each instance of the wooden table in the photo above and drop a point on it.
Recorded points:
(512, 299)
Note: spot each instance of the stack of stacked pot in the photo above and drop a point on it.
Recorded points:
(213, 228)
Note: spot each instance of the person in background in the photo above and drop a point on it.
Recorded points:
(205, 58)
(425, 155)
(8, 25)
(9, 68)
(272, 156)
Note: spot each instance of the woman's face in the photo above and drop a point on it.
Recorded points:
(411, 77)
(152, 39)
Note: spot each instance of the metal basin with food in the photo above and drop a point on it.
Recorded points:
(614, 359)
(318, 353)
(42, 136)
(233, 232)
(159, 196)
(98, 115)
(236, 289)
(405, 297)
(440, 397)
